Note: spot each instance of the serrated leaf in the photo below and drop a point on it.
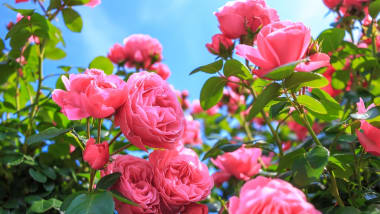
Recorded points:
(108, 180)
(72, 20)
(269, 93)
(311, 104)
(211, 68)
(212, 92)
(102, 63)
(235, 68)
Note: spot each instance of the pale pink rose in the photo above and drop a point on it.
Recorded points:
(161, 69)
(96, 155)
(274, 196)
(361, 107)
(242, 163)
(117, 54)
(314, 62)
(151, 115)
(220, 177)
(192, 133)
(332, 3)
(135, 183)
(90, 94)
(93, 3)
(220, 42)
(180, 177)
(142, 51)
(236, 18)
(195, 208)
(196, 108)
(278, 44)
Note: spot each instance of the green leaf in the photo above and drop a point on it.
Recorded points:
(55, 53)
(66, 203)
(12, 158)
(48, 171)
(286, 161)
(37, 176)
(108, 180)
(54, 4)
(235, 68)
(39, 25)
(41, 206)
(330, 39)
(333, 107)
(46, 134)
(305, 79)
(345, 210)
(212, 92)
(269, 93)
(276, 109)
(72, 20)
(211, 68)
(311, 104)
(76, 2)
(102, 63)
(215, 150)
(121, 198)
(24, 12)
(100, 202)
(230, 147)
(340, 79)
(283, 71)
(374, 8)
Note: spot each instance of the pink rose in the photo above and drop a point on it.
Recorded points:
(180, 177)
(329, 89)
(356, 3)
(241, 163)
(266, 195)
(19, 1)
(220, 177)
(278, 44)
(93, 3)
(136, 184)
(196, 108)
(96, 155)
(315, 61)
(161, 69)
(301, 131)
(220, 45)
(117, 54)
(195, 208)
(192, 133)
(90, 94)
(236, 18)
(332, 3)
(152, 115)
(369, 137)
(142, 51)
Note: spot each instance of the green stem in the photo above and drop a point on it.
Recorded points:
(77, 140)
(114, 138)
(88, 128)
(335, 191)
(92, 177)
(99, 129)
(356, 170)
(121, 149)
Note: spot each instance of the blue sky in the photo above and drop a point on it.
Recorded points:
(182, 26)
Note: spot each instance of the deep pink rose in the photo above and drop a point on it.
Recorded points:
(142, 50)
(192, 133)
(195, 208)
(152, 115)
(220, 41)
(117, 54)
(242, 163)
(196, 108)
(19, 1)
(180, 177)
(356, 3)
(96, 155)
(136, 184)
(90, 94)
(93, 3)
(161, 69)
(237, 17)
(278, 43)
(274, 196)
(301, 131)
(220, 177)
(329, 89)
(332, 3)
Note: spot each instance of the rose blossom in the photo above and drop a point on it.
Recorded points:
(93, 3)
(96, 155)
(91, 93)
(142, 50)
(332, 3)
(278, 43)
(161, 69)
(19, 1)
(136, 184)
(117, 54)
(237, 17)
(274, 196)
(242, 163)
(196, 108)
(180, 177)
(192, 131)
(220, 42)
(369, 137)
(151, 115)
(195, 208)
